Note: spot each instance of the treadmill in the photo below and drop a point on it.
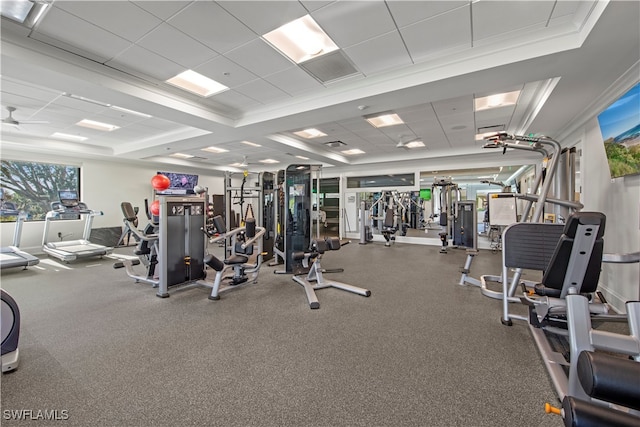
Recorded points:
(68, 208)
(12, 256)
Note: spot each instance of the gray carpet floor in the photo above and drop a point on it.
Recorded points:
(420, 351)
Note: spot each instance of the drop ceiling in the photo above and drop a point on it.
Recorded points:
(424, 60)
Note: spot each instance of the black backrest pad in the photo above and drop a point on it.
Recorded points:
(530, 245)
(333, 243)
(555, 274)
(218, 223)
(585, 218)
(320, 246)
(128, 211)
(250, 225)
(388, 218)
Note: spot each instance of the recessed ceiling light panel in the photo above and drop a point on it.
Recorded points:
(353, 151)
(386, 119)
(301, 40)
(92, 124)
(181, 155)
(414, 144)
(216, 150)
(251, 144)
(269, 161)
(497, 100)
(69, 136)
(310, 133)
(197, 83)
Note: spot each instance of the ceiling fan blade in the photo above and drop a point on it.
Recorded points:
(33, 122)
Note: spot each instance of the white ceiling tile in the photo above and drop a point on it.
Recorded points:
(32, 92)
(379, 54)
(420, 113)
(212, 26)
(312, 5)
(462, 104)
(446, 31)
(158, 126)
(264, 16)
(259, 58)
(115, 17)
(396, 132)
(566, 7)
(162, 9)
(344, 23)
(409, 12)
(262, 91)
(139, 59)
(511, 16)
(494, 116)
(293, 81)
(235, 99)
(63, 26)
(176, 46)
(225, 71)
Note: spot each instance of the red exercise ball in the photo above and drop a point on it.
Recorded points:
(155, 208)
(160, 182)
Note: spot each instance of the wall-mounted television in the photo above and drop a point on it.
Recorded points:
(620, 128)
(181, 183)
(425, 194)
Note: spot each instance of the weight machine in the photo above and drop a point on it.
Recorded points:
(448, 196)
(385, 215)
(292, 213)
(254, 194)
(550, 150)
(181, 241)
(297, 244)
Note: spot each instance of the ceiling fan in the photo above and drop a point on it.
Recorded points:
(9, 120)
(245, 162)
(408, 142)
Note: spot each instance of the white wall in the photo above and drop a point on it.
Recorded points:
(619, 200)
(103, 186)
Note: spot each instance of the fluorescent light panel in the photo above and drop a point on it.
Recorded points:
(132, 112)
(387, 119)
(16, 10)
(301, 40)
(69, 136)
(216, 150)
(302, 157)
(25, 12)
(353, 151)
(106, 105)
(197, 83)
(496, 101)
(310, 133)
(181, 155)
(268, 161)
(92, 124)
(414, 144)
(251, 144)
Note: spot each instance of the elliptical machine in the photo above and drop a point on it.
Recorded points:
(10, 332)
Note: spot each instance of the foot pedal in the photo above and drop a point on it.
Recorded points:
(601, 297)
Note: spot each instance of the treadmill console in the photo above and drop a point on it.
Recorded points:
(69, 206)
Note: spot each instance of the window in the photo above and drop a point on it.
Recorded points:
(381, 181)
(30, 187)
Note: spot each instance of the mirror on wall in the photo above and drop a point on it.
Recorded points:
(422, 213)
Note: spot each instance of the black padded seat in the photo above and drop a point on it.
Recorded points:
(554, 277)
(236, 259)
